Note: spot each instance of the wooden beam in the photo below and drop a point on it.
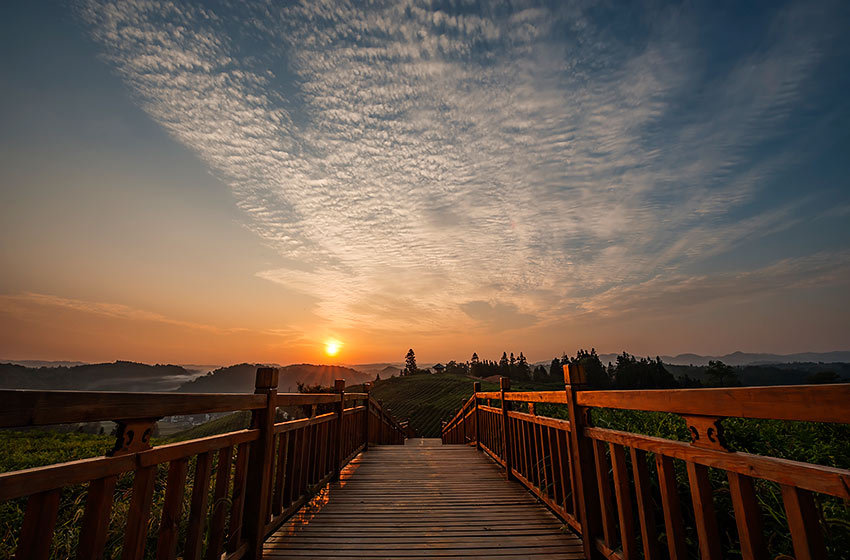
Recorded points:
(778, 403)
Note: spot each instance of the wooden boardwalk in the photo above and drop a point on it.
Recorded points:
(423, 500)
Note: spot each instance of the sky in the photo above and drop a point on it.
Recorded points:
(223, 182)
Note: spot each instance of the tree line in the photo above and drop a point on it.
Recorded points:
(627, 372)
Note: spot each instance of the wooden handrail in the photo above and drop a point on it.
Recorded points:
(20, 408)
(260, 475)
(581, 472)
(809, 403)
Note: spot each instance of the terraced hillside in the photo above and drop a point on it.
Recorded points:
(426, 399)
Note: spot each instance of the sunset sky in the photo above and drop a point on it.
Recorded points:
(217, 183)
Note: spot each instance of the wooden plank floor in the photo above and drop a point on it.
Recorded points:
(423, 500)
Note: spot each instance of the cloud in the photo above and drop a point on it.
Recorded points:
(496, 315)
(24, 304)
(675, 294)
(418, 163)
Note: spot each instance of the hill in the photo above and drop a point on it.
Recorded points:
(425, 399)
(116, 376)
(240, 378)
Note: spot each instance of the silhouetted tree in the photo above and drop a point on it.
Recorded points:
(410, 363)
(522, 369)
(719, 374)
(823, 377)
(597, 375)
(556, 368)
(631, 373)
(539, 373)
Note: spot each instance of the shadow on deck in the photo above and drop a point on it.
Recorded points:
(423, 500)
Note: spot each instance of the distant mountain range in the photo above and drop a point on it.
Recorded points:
(133, 376)
(737, 358)
(749, 358)
(115, 376)
(240, 378)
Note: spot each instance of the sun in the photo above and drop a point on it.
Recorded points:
(332, 347)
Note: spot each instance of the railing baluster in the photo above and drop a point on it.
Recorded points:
(237, 500)
(289, 489)
(563, 467)
(603, 482)
(747, 517)
(706, 520)
(505, 385)
(169, 525)
(40, 516)
(803, 523)
(222, 485)
(96, 518)
(280, 469)
(137, 517)
(672, 510)
(645, 508)
(624, 501)
(198, 509)
(339, 387)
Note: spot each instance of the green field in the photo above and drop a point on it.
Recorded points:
(425, 399)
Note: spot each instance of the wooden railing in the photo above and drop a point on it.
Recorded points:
(592, 477)
(262, 474)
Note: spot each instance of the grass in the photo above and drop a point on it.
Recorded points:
(425, 399)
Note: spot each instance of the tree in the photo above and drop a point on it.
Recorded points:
(595, 372)
(504, 365)
(475, 366)
(522, 369)
(555, 369)
(410, 363)
(539, 373)
(823, 377)
(721, 375)
(631, 373)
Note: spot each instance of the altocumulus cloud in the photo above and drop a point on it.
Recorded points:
(499, 165)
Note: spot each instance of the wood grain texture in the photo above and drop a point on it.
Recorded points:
(779, 403)
(38, 408)
(136, 532)
(747, 517)
(39, 519)
(673, 523)
(803, 523)
(423, 500)
(169, 526)
(704, 516)
(96, 518)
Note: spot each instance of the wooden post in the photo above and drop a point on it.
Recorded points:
(505, 385)
(462, 422)
(260, 464)
(583, 466)
(367, 387)
(339, 387)
(476, 388)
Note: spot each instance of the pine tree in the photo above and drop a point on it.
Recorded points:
(522, 369)
(555, 369)
(410, 363)
(504, 365)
